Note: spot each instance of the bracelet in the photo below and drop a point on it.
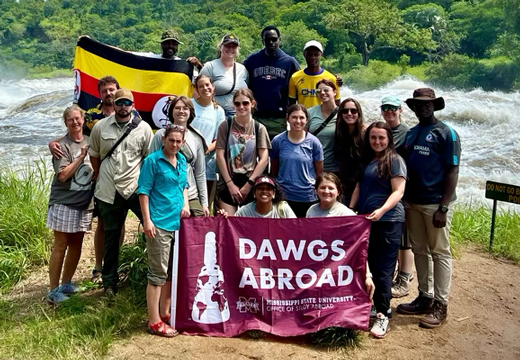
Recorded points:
(369, 275)
(227, 182)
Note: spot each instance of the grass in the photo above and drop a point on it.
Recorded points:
(83, 327)
(473, 225)
(24, 239)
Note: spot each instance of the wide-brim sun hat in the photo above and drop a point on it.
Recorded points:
(426, 94)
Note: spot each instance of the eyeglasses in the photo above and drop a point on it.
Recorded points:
(243, 103)
(174, 127)
(349, 110)
(389, 107)
(124, 102)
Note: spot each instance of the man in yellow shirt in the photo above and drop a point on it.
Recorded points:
(302, 86)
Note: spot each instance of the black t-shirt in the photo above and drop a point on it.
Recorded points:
(428, 151)
(399, 133)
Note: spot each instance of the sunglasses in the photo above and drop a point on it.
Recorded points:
(349, 110)
(124, 102)
(389, 107)
(179, 128)
(243, 103)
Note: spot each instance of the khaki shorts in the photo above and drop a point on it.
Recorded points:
(159, 258)
(196, 208)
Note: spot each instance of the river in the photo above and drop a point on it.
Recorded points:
(487, 122)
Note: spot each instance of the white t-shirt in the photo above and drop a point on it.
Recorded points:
(338, 209)
(207, 119)
(282, 210)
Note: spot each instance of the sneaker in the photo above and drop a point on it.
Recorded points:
(69, 288)
(436, 317)
(96, 276)
(380, 327)
(421, 305)
(56, 297)
(401, 287)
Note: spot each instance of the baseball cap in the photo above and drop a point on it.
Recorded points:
(124, 94)
(264, 180)
(391, 100)
(170, 35)
(313, 43)
(230, 39)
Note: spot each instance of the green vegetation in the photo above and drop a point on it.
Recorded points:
(81, 328)
(24, 239)
(473, 225)
(474, 43)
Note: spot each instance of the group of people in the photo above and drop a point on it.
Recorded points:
(273, 142)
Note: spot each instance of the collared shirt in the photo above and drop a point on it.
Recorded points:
(164, 184)
(120, 171)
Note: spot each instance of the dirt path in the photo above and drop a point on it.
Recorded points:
(484, 323)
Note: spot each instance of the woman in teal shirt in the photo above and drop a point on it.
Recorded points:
(163, 196)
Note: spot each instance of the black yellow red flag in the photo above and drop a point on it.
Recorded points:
(151, 80)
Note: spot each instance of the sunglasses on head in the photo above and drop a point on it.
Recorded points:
(124, 102)
(174, 127)
(243, 103)
(389, 107)
(349, 110)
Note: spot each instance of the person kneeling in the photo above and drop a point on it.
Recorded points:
(163, 196)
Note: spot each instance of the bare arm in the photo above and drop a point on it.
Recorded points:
(452, 177)
(55, 148)
(96, 163)
(185, 212)
(212, 147)
(398, 185)
(234, 191)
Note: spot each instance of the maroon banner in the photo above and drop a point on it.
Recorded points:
(286, 277)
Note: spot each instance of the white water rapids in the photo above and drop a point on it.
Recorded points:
(487, 122)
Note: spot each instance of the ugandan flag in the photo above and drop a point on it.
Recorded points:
(151, 80)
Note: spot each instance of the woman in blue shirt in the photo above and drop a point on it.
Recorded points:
(378, 194)
(163, 196)
(296, 160)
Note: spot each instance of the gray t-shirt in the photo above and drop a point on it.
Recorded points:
(399, 134)
(326, 137)
(193, 150)
(338, 209)
(222, 78)
(281, 210)
(75, 192)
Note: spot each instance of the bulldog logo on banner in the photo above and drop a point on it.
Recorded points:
(287, 277)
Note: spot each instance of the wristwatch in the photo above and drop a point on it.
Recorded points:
(250, 182)
(443, 209)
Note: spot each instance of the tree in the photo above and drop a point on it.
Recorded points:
(374, 25)
(436, 20)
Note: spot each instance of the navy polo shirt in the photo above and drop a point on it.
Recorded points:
(428, 151)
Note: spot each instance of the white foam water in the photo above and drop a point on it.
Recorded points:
(487, 122)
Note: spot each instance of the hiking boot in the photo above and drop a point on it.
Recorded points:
(436, 317)
(421, 305)
(401, 287)
(56, 297)
(69, 288)
(380, 327)
(110, 292)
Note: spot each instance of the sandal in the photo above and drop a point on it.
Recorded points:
(166, 319)
(162, 329)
